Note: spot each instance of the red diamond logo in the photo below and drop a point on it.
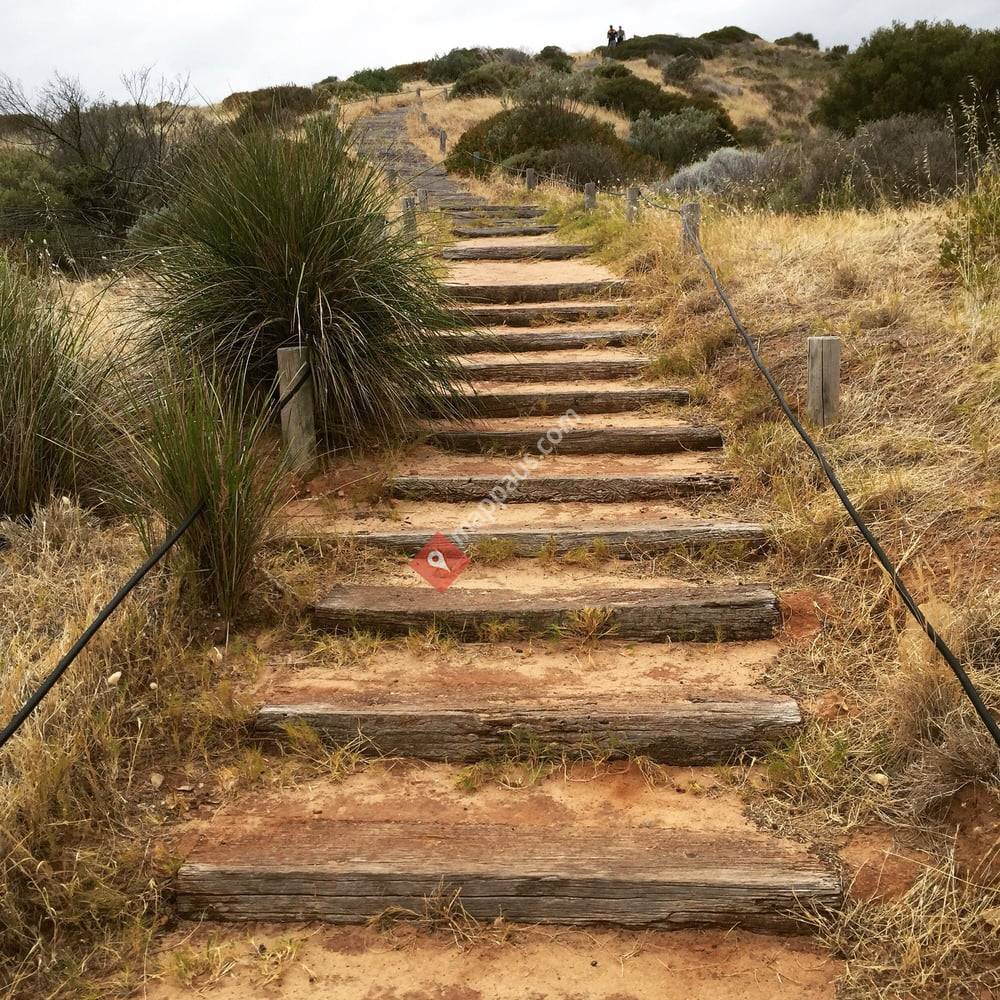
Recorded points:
(440, 562)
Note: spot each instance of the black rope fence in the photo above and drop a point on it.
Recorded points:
(52, 678)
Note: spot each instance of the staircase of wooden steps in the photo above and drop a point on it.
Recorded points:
(541, 649)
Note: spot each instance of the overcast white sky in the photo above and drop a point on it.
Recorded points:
(227, 45)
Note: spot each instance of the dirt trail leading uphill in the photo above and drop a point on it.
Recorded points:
(544, 649)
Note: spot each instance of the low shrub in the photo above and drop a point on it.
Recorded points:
(270, 240)
(53, 380)
(580, 163)
(409, 72)
(800, 40)
(678, 138)
(837, 52)
(489, 80)
(729, 35)
(663, 45)
(32, 200)
(611, 70)
(287, 99)
(449, 67)
(970, 246)
(549, 138)
(724, 170)
(631, 96)
(903, 159)
(377, 81)
(342, 91)
(681, 69)
(553, 90)
(555, 59)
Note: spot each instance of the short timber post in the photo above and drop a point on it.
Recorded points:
(419, 98)
(690, 226)
(632, 204)
(423, 117)
(422, 199)
(530, 179)
(298, 416)
(409, 207)
(475, 163)
(590, 196)
(823, 380)
(443, 140)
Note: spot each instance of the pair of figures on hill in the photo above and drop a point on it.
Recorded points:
(615, 37)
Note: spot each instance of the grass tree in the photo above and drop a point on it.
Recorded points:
(56, 397)
(272, 240)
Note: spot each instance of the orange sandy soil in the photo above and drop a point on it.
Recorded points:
(534, 963)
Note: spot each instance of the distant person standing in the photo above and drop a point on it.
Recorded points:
(612, 36)
(619, 35)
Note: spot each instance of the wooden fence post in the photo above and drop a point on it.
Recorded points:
(409, 207)
(475, 163)
(530, 179)
(690, 226)
(422, 199)
(298, 416)
(590, 196)
(423, 117)
(443, 140)
(823, 380)
(632, 204)
(419, 98)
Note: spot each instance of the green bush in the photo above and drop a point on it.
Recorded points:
(661, 45)
(729, 35)
(270, 240)
(555, 59)
(489, 80)
(681, 69)
(549, 138)
(341, 91)
(837, 52)
(679, 138)
(409, 72)
(631, 96)
(376, 81)
(611, 70)
(54, 382)
(799, 39)
(449, 67)
(32, 200)
(271, 102)
(926, 67)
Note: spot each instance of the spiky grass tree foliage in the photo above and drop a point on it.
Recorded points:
(273, 240)
(55, 382)
(194, 444)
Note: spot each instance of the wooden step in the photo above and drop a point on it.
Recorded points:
(476, 209)
(525, 251)
(582, 366)
(695, 731)
(484, 211)
(551, 399)
(541, 488)
(547, 339)
(629, 542)
(581, 440)
(540, 313)
(299, 864)
(528, 229)
(650, 614)
(555, 291)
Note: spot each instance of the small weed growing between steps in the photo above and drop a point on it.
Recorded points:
(493, 551)
(443, 912)
(585, 626)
